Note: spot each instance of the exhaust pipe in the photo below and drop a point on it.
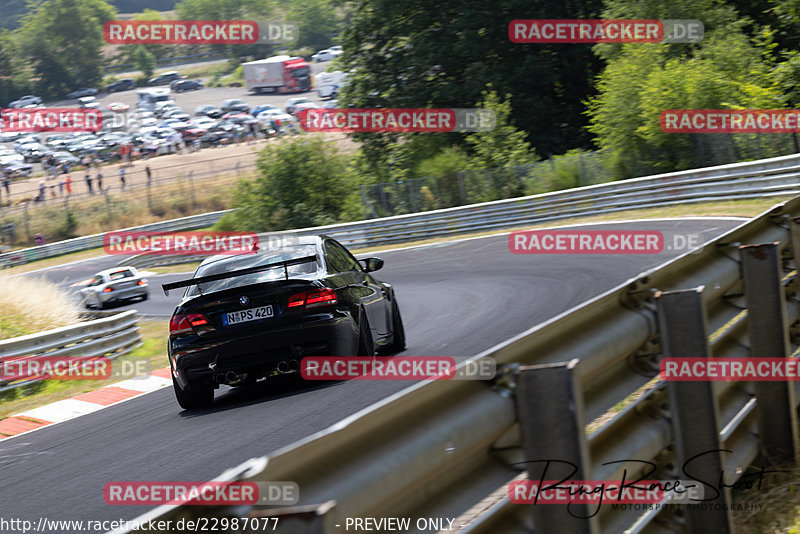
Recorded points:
(232, 378)
(220, 378)
(294, 365)
(283, 367)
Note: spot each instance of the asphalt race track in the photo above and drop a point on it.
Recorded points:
(457, 299)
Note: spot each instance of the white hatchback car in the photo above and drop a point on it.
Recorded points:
(326, 55)
(114, 285)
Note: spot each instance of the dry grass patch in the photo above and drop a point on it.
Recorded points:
(29, 305)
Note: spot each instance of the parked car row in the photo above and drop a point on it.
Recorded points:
(174, 79)
(155, 130)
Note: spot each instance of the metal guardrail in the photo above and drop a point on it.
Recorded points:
(775, 176)
(20, 257)
(450, 448)
(111, 336)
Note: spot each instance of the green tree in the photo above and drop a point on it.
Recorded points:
(728, 69)
(13, 81)
(497, 153)
(504, 145)
(317, 22)
(144, 61)
(259, 10)
(445, 167)
(302, 182)
(407, 54)
(156, 51)
(61, 40)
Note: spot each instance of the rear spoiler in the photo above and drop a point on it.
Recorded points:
(241, 272)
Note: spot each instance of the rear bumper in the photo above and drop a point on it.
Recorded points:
(124, 294)
(258, 354)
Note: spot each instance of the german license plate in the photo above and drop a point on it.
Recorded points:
(242, 316)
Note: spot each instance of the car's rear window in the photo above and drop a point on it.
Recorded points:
(237, 263)
(121, 274)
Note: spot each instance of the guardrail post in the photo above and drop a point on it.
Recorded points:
(693, 408)
(794, 227)
(769, 338)
(550, 408)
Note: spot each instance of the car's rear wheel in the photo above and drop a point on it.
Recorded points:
(366, 345)
(193, 398)
(398, 332)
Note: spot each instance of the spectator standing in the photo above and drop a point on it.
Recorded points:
(149, 175)
(99, 179)
(41, 196)
(68, 184)
(88, 179)
(122, 177)
(7, 185)
(124, 154)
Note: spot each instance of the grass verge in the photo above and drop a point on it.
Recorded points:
(773, 504)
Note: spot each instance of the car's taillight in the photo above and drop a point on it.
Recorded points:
(142, 282)
(298, 299)
(320, 297)
(182, 324)
(108, 289)
(313, 298)
(179, 324)
(197, 319)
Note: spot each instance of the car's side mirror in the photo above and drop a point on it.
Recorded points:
(372, 264)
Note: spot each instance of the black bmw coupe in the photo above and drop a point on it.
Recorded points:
(246, 317)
